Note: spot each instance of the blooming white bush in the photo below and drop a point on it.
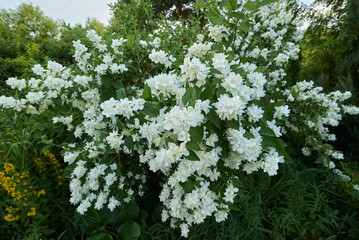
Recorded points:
(218, 106)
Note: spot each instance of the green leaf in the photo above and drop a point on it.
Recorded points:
(281, 150)
(328, 146)
(220, 91)
(150, 109)
(190, 97)
(266, 131)
(200, 4)
(196, 133)
(244, 26)
(216, 71)
(170, 140)
(121, 93)
(248, 135)
(130, 230)
(192, 156)
(117, 84)
(234, 207)
(57, 101)
(234, 4)
(265, 2)
(261, 69)
(237, 183)
(146, 94)
(233, 124)
(129, 142)
(279, 103)
(278, 144)
(269, 141)
(213, 118)
(208, 92)
(193, 146)
(106, 81)
(249, 5)
(100, 236)
(215, 17)
(68, 171)
(239, 15)
(189, 186)
(129, 211)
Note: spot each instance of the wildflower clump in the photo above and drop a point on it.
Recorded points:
(11, 216)
(18, 188)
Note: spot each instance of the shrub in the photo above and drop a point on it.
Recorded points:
(199, 113)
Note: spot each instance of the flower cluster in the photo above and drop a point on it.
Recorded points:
(21, 192)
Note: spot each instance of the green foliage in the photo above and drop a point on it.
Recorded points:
(22, 32)
(28, 37)
(298, 203)
(130, 17)
(23, 145)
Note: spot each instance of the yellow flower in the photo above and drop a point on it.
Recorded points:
(32, 212)
(11, 218)
(11, 209)
(9, 168)
(41, 192)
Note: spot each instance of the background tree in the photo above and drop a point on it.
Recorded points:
(28, 37)
(330, 56)
(21, 32)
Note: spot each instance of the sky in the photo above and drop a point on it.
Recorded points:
(73, 11)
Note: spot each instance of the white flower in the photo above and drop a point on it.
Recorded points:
(271, 160)
(212, 139)
(101, 69)
(34, 97)
(229, 108)
(79, 170)
(184, 230)
(83, 207)
(115, 140)
(281, 111)
(93, 36)
(161, 57)
(306, 151)
(233, 83)
(199, 49)
(143, 43)
(110, 108)
(276, 129)
(230, 193)
(101, 200)
(113, 203)
(218, 32)
(38, 69)
(254, 113)
(165, 84)
(15, 83)
(70, 157)
(221, 64)
(195, 69)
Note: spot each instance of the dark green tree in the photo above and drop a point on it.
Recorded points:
(21, 32)
(330, 56)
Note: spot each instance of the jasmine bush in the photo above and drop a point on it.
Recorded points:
(202, 114)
